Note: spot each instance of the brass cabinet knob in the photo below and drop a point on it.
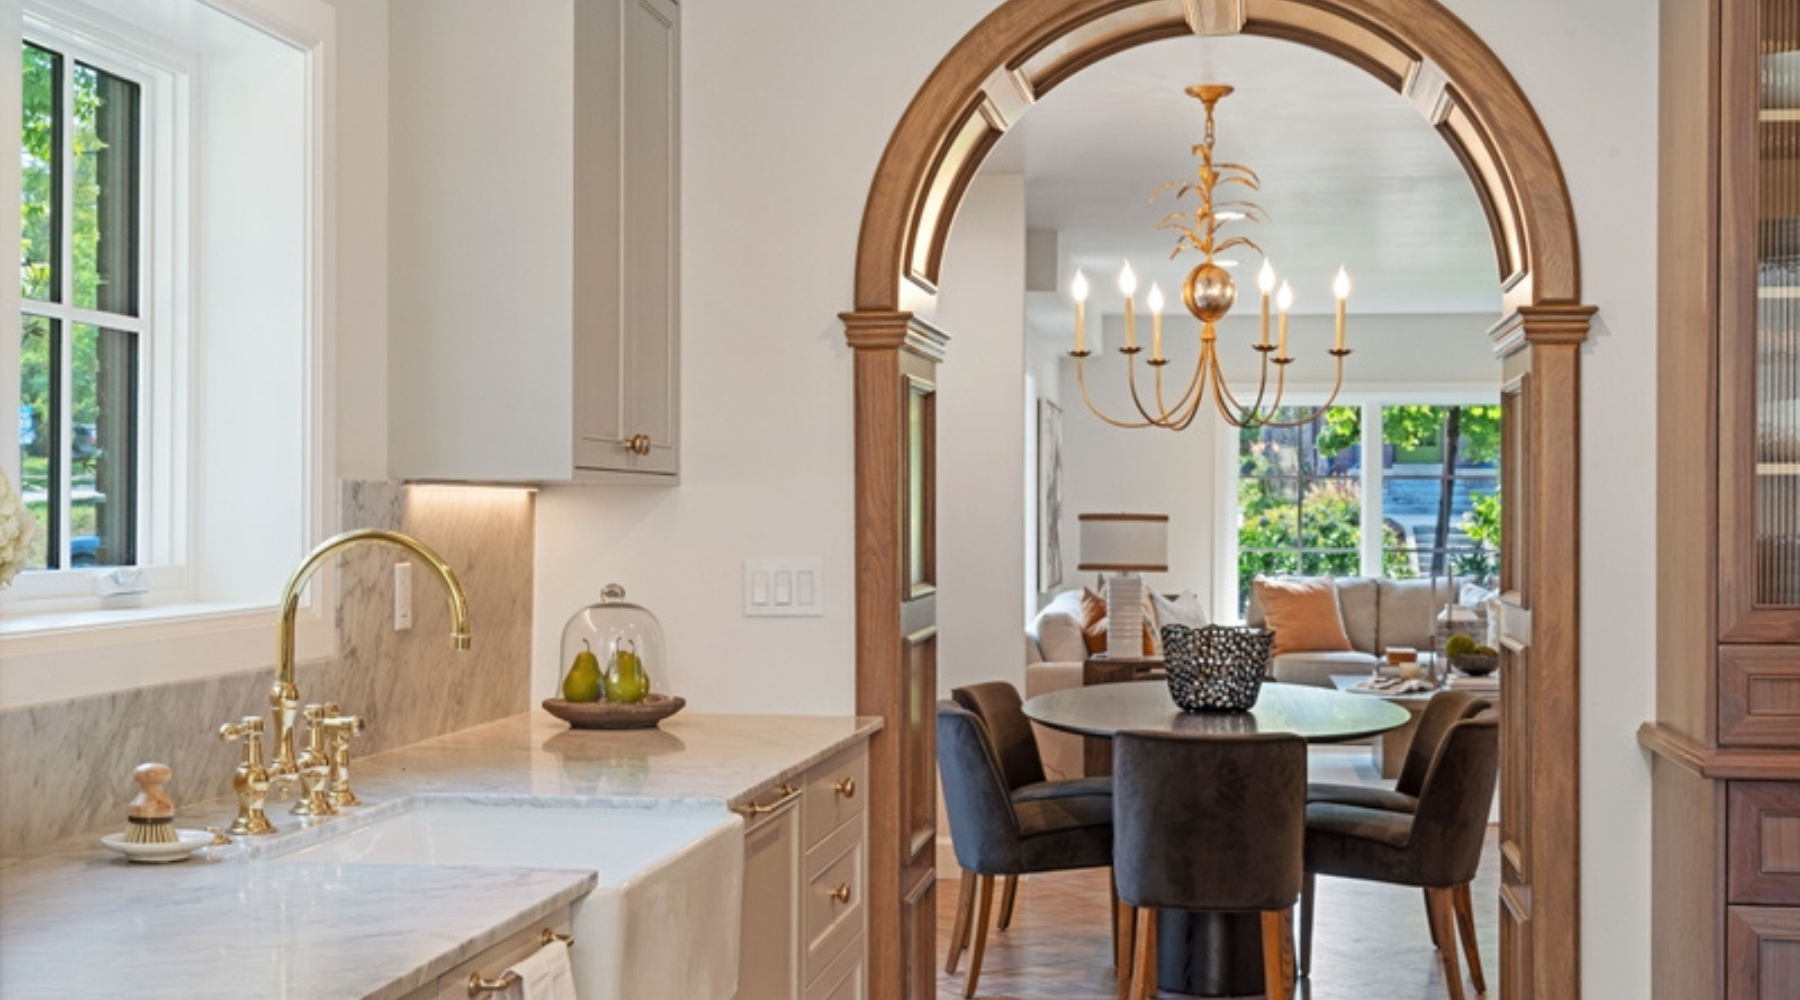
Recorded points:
(638, 444)
(841, 893)
(846, 787)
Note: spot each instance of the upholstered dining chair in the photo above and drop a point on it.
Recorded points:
(1436, 847)
(994, 834)
(1443, 710)
(1001, 710)
(1208, 823)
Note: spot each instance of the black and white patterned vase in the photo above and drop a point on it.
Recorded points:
(1216, 668)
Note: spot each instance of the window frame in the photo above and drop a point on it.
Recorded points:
(70, 648)
(159, 573)
(1372, 517)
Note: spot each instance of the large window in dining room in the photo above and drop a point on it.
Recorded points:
(1381, 488)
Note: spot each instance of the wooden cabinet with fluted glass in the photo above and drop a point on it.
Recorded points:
(1725, 766)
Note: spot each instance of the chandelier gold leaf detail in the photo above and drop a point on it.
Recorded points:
(1209, 293)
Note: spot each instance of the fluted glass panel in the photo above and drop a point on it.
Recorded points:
(1777, 356)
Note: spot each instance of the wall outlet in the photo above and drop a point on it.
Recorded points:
(783, 588)
(402, 596)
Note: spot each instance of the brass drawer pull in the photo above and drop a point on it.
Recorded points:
(841, 893)
(846, 787)
(479, 985)
(639, 444)
(788, 792)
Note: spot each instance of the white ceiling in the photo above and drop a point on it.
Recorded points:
(1351, 174)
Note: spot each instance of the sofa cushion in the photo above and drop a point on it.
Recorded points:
(1057, 630)
(1409, 609)
(1182, 609)
(1316, 668)
(1357, 603)
(1303, 612)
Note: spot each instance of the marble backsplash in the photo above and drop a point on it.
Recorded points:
(69, 763)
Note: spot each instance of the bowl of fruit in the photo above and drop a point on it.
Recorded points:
(1468, 657)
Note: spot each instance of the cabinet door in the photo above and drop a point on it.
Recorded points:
(1759, 260)
(1764, 953)
(769, 949)
(627, 401)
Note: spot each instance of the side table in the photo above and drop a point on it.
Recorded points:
(1390, 750)
(1096, 754)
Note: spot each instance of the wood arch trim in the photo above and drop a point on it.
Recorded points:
(1025, 47)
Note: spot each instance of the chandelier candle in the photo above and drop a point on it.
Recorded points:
(1209, 293)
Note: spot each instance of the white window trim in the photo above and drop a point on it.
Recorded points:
(72, 654)
(1225, 538)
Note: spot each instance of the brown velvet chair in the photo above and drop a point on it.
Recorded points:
(998, 705)
(1209, 823)
(1436, 847)
(994, 834)
(1443, 710)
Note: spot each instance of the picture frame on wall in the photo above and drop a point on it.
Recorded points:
(1049, 496)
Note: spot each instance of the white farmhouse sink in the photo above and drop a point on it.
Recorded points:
(663, 920)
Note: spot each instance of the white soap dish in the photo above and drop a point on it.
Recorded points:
(187, 842)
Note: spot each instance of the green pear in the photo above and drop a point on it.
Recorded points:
(583, 682)
(626, 680)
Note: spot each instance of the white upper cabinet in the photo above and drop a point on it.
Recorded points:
(534, 216)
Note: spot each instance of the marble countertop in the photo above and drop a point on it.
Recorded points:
(78, 920)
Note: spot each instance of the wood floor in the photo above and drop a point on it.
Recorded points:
(1370, 941)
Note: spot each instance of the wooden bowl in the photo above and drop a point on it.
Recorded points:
(615, 715)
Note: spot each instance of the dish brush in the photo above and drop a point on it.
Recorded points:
(151, 816)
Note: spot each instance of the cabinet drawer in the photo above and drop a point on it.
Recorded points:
(495, 960)
(1759, 696)
(1762, 945)
(843, 979)
(835, 791)
(831, 908)
(1765, 842)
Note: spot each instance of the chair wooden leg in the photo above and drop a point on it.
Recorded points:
(1441, 910)
(959, 931)
(1465, 924)
(982, 917)
(1306, 923)
(1011, 883)
(1436, 942)
(1278, 953)
(1123, 919)
(1143, 955)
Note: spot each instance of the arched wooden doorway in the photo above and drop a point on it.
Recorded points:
(991, 78)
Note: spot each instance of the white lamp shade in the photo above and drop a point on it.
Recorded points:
(1125, 543)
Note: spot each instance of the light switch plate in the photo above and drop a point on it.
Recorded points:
(783, 588)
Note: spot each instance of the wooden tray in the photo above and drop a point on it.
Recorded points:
(615, 715)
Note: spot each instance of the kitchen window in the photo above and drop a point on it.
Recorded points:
(82, 325)
(168, 377)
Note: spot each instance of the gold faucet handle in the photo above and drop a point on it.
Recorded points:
(251, 780)
(249, 730)
(339, 731)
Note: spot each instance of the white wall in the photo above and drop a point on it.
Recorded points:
(780, 143)
(981, 451)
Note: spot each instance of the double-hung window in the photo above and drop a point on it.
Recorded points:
(82, 293)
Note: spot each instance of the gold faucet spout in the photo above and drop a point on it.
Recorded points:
(284, 696)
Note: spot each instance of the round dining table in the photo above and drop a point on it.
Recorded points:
(1206, 953)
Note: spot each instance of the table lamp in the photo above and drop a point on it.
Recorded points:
(1118, 547)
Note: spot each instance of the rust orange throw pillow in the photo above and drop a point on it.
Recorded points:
(1304, 614)
(1093, 624)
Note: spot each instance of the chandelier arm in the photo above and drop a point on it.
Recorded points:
(1336, 387)
(1081, 380)
(1197, 384)
(1165, 417)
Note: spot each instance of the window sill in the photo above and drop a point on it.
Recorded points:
(50, 657)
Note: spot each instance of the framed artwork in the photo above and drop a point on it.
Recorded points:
(1049, 495)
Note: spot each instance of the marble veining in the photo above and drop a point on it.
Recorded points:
(233, 923)
(71, 761)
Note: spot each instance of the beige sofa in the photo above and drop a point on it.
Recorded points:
(1377, 614)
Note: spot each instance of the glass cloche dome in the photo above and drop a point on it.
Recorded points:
(618, 633)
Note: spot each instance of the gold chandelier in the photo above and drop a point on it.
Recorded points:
(1209, 294)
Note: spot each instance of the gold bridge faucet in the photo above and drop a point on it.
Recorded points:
(284, 696)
